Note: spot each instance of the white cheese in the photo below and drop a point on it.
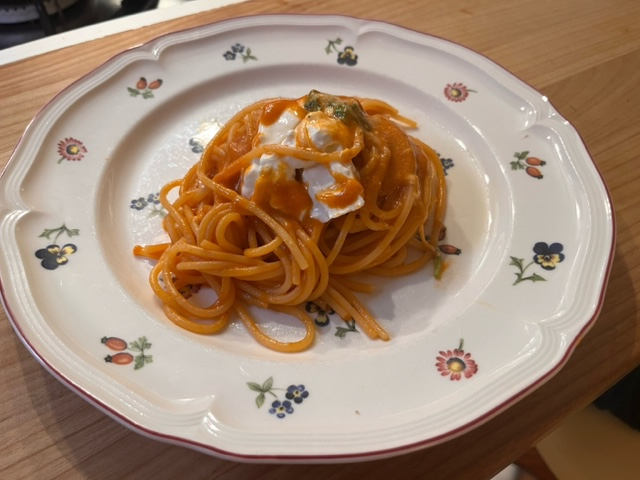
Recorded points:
(317, 177)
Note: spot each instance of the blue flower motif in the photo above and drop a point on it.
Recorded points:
(229, 55)
(237, 48)
(321, 313)
(548, 256)
(297, 393)
(196, 146)
(139, 203)
(447, 163)
(348, 57)
(53, 256)
(281, 409)
(153, 198)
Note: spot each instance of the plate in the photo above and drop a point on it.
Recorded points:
(527, 251)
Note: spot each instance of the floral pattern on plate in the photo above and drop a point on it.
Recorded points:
(346, 56)
(546, 256)
(531, 165)
(239, 51)
(151, 203)
(294, 395)
(54, 255)
(456, 364)
(422, 405)
(457, 92)
(71, 149)
(123, 355)
(144, 89)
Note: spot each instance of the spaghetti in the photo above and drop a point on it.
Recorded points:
(288, 202)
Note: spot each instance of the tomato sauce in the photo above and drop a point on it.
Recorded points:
(344, 193)
(275, 190)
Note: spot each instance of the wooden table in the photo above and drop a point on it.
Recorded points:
(583, 54)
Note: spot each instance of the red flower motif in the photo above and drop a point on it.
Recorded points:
(71, 149)
(456, 363)
(457, 92)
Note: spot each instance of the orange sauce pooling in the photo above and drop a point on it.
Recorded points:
(274, 110)
(344, 193)
(274, 190)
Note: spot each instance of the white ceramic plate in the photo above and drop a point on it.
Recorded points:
(79, 193)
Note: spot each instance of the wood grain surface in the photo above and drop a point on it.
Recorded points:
(583, 54)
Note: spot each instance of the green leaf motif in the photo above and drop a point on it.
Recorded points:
(140, 345)
(255, 386)
(517, 262)
(267, 385)
(341, 332)
(248, 56)
(536, 278)
(71, 232)
(141, 360)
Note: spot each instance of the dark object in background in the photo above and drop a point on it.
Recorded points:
(623, 399)
(22, 21)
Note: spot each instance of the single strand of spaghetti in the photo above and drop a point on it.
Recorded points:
(271, 342)
(196, 327)
(153, 252)
(258, 212)
(264, 249)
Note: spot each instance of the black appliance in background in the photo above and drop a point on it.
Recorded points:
(22, 21)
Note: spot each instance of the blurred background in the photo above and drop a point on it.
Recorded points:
(22, 21)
